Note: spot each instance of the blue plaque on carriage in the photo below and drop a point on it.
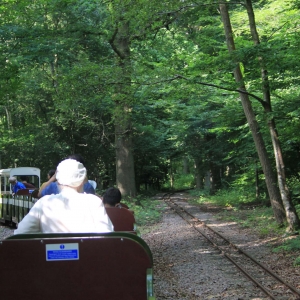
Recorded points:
(61, 252)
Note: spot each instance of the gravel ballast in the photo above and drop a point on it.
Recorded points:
(186, 266)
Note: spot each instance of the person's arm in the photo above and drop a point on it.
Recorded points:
(47, 183)
(14, 189)
(31, 222)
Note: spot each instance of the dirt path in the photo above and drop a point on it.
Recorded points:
(187, 267)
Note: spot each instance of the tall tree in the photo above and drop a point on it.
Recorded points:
(290, 210)
(125, 176)
(274, 194)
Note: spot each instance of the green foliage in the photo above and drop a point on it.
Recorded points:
(61, 77)
(247, 212)
(259, 219)
(181, 181)
(229, 197)
(297, 262)
(148, 212)
(294, 185)
(201, 194)
(290, 245)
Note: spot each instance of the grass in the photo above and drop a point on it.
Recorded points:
(290, 245)
(227, 198)
(147, 211)
(242, 208)
(259, 219)
(249, 213)
(180, 182)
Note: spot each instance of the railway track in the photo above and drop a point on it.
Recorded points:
(265, 279)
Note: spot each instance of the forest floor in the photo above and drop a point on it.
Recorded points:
(187, 267)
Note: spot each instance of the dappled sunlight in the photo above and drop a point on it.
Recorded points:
(206, 250)
(257, 243)
(223, 224)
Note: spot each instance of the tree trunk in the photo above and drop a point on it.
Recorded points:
(291, 214)
(207, 181)
(215, 178)
(257, 190)
(124, 159)
(8, 117)
(186, 167)
(54, 67)
(125, 176)
(171, 175)
(251, 119)
(199, 174)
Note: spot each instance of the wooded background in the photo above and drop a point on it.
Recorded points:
(146, 90)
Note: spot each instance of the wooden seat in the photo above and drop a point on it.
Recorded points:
(122, 218)
(24, 192)
(34, 195)
(123, 205)
(110, 266)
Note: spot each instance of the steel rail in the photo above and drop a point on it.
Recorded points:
(237, 248)
(228, 257)
(242, 251)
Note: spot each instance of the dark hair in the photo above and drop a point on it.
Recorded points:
(112, 196)
(51, 173)
(77, 157)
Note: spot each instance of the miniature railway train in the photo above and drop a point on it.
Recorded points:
(14, 208)
(114, 265)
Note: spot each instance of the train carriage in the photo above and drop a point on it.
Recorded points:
(13, 209)
(114, 265)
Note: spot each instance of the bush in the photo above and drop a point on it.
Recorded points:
(146, 211)
(294, 185)
(290, 245)
(181, 181)
(228, 198)
(242, 208)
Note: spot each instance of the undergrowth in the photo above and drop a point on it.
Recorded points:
(249, 213)
(244, 209)
(234, 198)
(181, 181)
(147, 211)
(259, 219)
(290, 245)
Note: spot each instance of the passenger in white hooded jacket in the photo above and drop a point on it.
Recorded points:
(70, 210)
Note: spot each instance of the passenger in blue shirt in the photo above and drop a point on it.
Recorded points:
(52, 187)
(16, 185)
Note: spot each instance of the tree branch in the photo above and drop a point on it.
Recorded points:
(262, 102)
(112, 43)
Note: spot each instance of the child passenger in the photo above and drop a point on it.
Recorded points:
(112, 198)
